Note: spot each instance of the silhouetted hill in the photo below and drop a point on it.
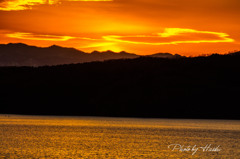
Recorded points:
(166, 55)
(18, 54)
(199, 87)
(23, 55)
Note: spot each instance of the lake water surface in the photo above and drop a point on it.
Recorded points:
(99, 137)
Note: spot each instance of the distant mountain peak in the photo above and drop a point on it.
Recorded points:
(166, 55)
(59, 47)
(17, 44)
(53, 46)
(123, 52)
(109, 52)
(95, 52)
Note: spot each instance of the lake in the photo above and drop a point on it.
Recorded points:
(101, 137)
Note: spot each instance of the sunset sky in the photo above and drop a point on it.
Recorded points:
(186, 27)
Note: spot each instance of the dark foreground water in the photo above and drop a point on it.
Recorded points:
(95, 137)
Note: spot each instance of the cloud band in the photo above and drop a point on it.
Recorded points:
(173, 36)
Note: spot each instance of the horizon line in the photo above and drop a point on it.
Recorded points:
(203, 54)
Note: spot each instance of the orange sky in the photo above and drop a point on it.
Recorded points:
(186, 27)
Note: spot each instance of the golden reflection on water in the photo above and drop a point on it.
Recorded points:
(94, 137)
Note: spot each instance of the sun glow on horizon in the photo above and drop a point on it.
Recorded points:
(103, 46)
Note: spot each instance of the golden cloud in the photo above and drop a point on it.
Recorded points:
(173, 36)
(11, 5)
(30, 36)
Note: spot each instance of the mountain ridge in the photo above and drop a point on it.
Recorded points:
(20, 54)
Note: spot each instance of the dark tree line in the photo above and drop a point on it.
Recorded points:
(199, 87)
